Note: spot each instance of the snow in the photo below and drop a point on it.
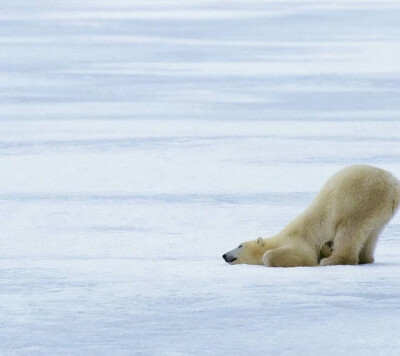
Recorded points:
(139, 141)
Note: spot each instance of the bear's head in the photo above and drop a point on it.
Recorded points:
(250, 253)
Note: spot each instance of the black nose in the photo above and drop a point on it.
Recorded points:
(224, 256)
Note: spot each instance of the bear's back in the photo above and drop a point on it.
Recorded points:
(358, 191)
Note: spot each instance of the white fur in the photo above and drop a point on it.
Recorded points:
(351, 210)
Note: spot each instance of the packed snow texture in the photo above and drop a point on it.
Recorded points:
(140, 140)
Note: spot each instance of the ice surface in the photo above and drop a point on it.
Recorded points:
(141, 140)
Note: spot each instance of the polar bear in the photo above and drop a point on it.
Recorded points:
(351, 209)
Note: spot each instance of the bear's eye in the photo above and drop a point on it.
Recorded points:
(240, 246)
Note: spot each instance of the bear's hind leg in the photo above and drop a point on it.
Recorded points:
(348, 242)
(287, 257)
(367, 251)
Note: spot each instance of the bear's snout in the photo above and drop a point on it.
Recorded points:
(228, 258)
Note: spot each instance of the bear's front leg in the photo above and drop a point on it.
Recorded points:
(326, 249)
(287, 257)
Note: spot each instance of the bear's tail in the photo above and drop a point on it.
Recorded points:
(396, 198)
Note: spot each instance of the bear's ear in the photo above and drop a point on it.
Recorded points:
(260, 241)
